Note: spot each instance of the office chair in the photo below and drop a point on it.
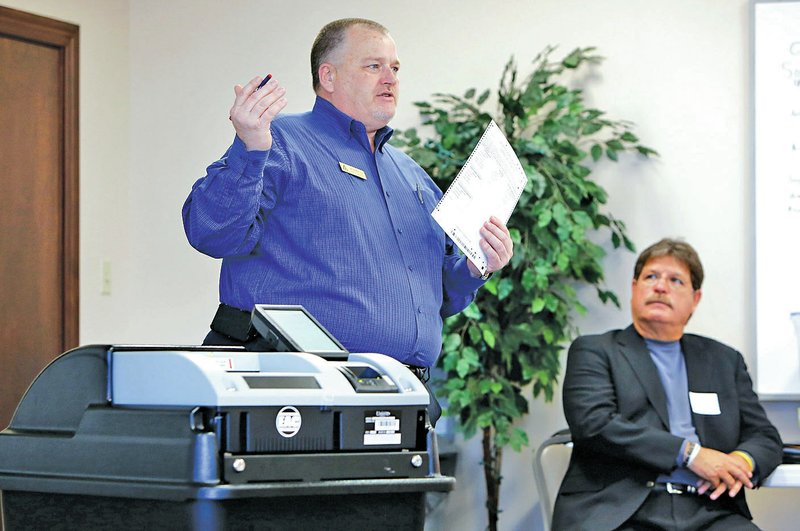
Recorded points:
(549, 466)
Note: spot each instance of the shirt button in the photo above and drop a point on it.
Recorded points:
(400, 231)
(411, 268)
(419, 310)
(388, 194)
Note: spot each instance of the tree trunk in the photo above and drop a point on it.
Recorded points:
(492, 463)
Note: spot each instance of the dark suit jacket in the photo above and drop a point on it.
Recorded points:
(616, 409)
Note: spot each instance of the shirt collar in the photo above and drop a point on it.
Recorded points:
(346, 126)
(664, 344)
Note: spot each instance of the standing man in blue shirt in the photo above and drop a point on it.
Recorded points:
(667, 430)
(318, 209)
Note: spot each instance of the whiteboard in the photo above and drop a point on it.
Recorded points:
(776, 89)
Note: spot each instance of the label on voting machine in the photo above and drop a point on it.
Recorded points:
(489, 184)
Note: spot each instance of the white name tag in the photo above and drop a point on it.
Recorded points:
(704, 403)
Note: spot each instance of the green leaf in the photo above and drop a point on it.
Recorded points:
(582, 218)
(474, 334)
(646, 151)
(572, 60)
(551, 302)
(591, 128)
(488, 336)
(469, 360)
(426, 158)
(544, 218)
(616, 145)
(518, 439)
(450, 360)
(597, 152)
(537, 305)
(562, 262)
(628, 243)
(528, 279)
(451, 342)
(504, 288)
(491, 285)
(560, 214)
(472, 312)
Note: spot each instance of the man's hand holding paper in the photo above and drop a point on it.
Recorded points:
(496, 245)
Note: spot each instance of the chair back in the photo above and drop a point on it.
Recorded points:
(549, 466)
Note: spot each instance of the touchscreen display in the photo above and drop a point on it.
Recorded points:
(303, 331)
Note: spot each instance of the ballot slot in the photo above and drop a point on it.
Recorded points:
(365, 379)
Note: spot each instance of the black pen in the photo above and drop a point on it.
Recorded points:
(269, 76)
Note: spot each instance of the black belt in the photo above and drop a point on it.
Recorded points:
(673, 488)
(233, 323)
(423, 373)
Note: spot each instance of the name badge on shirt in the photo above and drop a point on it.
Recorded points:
(704, 403)
(352, 170)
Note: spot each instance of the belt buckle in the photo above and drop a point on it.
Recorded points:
(422, 373)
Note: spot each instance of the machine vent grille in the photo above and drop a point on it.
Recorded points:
(294, 444)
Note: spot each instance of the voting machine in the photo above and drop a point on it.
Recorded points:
(228, 435)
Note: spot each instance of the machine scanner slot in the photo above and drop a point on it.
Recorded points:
(367, 380)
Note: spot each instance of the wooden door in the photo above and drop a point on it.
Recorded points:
(38, 198)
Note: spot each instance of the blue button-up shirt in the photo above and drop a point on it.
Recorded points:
(301, 224)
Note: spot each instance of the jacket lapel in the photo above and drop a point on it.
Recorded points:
(634, 350)
(696, 371)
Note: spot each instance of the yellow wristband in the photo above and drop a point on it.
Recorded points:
(746, 457)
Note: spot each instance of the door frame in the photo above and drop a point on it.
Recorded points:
(63, 36)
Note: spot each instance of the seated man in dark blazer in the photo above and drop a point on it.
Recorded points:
(666, 427)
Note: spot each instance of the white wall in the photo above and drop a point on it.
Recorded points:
(156, 85)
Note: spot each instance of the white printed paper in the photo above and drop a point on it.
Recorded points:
(489, 184)
(704, 403)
